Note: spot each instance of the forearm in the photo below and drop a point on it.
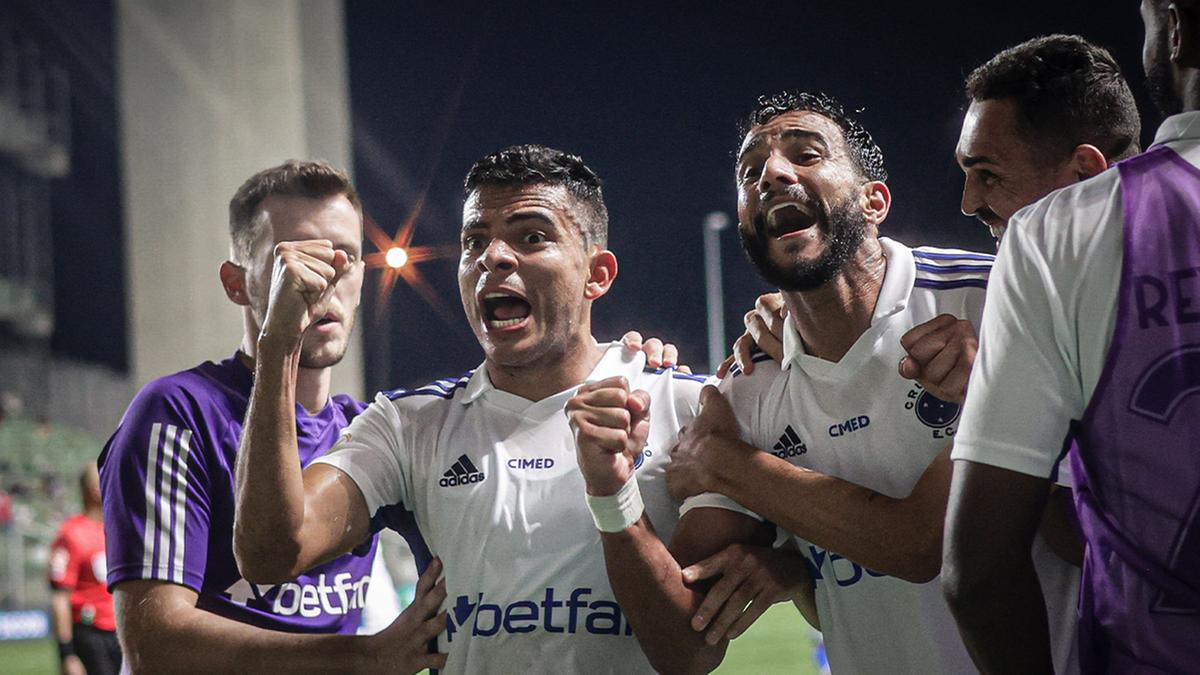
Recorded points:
(270, 490)
(60, 615)
(187, 639)
(1002, 618)
(649, 586)
(898, 537)
(806, 603)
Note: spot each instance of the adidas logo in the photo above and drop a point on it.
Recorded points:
(461, 472)
(789, 444)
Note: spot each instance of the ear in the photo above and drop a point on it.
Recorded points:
(233, 279)
(877, 201)
(1087, 161)
(603, 273)
(1182, 26)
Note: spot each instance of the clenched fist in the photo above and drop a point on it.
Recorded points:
(303, 279)
(611, 425)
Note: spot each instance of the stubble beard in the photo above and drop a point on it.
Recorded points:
(847, 227)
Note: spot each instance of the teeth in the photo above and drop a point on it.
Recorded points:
(784, 205)
(496, 323)
(491, 296)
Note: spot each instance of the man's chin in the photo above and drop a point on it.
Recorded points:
(323, 356)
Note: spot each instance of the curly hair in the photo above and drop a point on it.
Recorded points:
(314, 179)
(867, 156)
(1067, 91)
(521, 165)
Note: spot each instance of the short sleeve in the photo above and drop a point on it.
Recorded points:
(1024, 389)
(155, 488)
(370, 452)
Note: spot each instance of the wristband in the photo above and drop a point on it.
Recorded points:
(65, 649)
(615, 513)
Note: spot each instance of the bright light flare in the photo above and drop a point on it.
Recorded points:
(398, 260)
(396, 257)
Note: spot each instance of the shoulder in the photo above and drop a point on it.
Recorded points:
(746, 390)
(950, 268)
(1070, 224)
(683, 387)
(436, 394)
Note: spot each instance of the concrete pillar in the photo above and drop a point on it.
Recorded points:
(211, 92)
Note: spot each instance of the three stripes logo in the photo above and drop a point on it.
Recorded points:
(461, 472)
(789, 444)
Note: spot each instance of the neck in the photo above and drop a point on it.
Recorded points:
(312, 384)
(93, 511)
(831, 318)
(552, 373)
(1190, 91)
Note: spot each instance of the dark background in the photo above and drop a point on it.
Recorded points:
(647, 94)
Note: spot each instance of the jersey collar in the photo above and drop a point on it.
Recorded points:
(616, 361)
(1178, 127)
(893, 297)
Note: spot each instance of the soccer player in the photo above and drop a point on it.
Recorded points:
(1044, 114)
(168, 483)
(854, 458)
(486, 461)
(81, 608)
(1091, 331)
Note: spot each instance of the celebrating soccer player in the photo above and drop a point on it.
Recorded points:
(856, 456)
(1091, 333)
(485, 461)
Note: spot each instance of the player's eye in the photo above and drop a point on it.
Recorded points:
(987, 177)
(533, 238)
(472, 242)
(751, 172)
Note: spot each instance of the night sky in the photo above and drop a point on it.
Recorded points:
(648, 94)
(650, 97)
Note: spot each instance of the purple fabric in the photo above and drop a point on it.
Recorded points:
(1136, 458)
(167, 481)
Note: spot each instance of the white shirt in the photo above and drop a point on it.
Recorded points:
(858, 420)
(493, 482)
(1051, 311)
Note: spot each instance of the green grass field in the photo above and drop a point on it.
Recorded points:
(777, 643)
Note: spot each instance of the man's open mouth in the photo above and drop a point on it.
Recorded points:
(504, 310)
(788, 218)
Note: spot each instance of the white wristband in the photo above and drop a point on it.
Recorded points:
(615, 513)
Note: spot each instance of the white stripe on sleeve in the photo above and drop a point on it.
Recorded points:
(164, 504)
(150, 534)
(181, 483)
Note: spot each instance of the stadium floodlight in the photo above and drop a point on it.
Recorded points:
(713, 292)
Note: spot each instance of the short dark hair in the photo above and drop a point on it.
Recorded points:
(520, 165)
(314, 179)
(1067, 91)
(867, 156)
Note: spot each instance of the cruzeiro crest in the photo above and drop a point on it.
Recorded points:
(933, 412)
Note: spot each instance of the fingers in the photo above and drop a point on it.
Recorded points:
(771, 310)
(916, 333)
(609, 439)
(670, 356)
(731, 612)
(767, 340)
(614, 382)
(632, 341)
(429, 578)
(756, 609)
(723, 369)
(430, 628)
(709, 567)
(743, 352)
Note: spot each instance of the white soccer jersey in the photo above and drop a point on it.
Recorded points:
(857, 419)
(493, 482)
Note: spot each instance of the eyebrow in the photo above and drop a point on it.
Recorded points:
(969, 161)
(787, 135)
(477, 224)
